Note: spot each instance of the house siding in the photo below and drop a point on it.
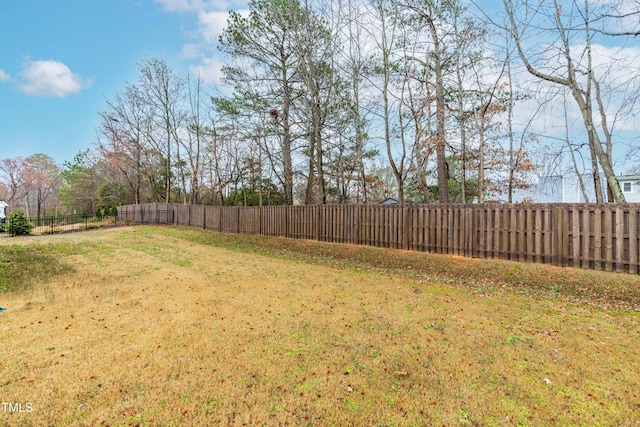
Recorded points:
(566, 189)
(633, 195)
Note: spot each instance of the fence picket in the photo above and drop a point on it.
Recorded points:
(619, 238)
(633, 241)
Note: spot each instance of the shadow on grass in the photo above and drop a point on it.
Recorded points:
(21, 266)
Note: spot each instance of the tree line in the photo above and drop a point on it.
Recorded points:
(353, 101)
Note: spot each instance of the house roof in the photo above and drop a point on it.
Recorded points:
(389, 201)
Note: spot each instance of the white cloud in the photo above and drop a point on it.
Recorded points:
(212, 14)
(209, 70)
(4, 76)
(51, 78)
(212, 24)
(211, 21)
(193, 5)
(190, 51)
(178, 5)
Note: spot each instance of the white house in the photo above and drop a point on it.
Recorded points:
(3, 207)
(630, 185)
(571, 191)
(566, 189)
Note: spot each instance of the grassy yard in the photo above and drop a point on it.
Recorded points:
(177, 326)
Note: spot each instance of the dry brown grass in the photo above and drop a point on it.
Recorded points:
(153, 328)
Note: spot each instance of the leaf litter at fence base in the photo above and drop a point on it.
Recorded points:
(132, 337)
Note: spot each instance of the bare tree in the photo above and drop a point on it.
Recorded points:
(43, 176)
(162, 89)
(621, 18)
(385, 79)
(575, 71)
(195, 140)
(124, 126)
(13, 176)
(354, 65)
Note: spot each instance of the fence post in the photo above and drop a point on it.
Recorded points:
(608, 237)
(406, 226)
(466, 231)
(633, 240)
(619, 224)
(585, 232)
(575, 236)
(287, 224)
(560, 237)
(238, 220)
(317, 208)
(358, 224)
(548, 236)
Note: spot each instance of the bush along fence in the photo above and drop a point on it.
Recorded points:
(599, 237)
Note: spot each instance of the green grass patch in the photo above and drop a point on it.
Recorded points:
(22, 266)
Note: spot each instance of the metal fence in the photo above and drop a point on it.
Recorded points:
(59, 224)
(53, 225)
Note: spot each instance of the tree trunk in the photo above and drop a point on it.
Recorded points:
(440, 136)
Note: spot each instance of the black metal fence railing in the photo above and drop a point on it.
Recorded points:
(52, 224)
(70, 223)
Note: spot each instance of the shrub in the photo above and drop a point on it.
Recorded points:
(17, 224)
(106, 211)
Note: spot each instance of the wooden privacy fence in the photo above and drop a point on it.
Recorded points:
(599, 237)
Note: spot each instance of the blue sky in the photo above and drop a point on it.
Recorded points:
(60, 60)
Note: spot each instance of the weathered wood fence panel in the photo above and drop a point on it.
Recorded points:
(589, 236)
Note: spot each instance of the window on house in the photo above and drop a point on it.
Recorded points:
(626, 187)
